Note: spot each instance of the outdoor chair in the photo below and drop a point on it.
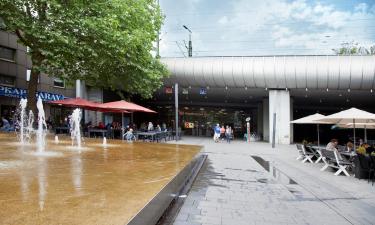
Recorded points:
(371, 174)
(342, 164)
(364, 167)
(307, 155)
(311, 150)
(300, 152)
(372, 169)
(331, 159)
(320, 156)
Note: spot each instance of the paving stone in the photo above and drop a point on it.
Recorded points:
(232, 188)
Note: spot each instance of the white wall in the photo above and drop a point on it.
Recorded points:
(279, 103)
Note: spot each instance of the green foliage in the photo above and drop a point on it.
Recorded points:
(107, 43)
(353, 48)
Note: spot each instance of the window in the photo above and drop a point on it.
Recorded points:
(7, 53)
(7, 81)
(57, 82)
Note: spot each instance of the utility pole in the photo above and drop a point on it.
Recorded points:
(176, 108)
(190, 48)
(158, 40)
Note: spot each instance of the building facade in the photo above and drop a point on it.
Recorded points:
(272, 90)
(15, 65)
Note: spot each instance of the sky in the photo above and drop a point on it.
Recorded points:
(265, 27)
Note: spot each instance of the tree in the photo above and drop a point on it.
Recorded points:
(107, 43)
(353, 48)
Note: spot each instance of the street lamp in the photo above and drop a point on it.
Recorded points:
(190, 48)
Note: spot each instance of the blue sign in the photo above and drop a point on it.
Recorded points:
(22, 93)
(203, 91)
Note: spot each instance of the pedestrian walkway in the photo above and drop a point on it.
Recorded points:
(233, 188)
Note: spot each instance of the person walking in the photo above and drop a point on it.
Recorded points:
(216, 133)
(222, 133)
(228, 134)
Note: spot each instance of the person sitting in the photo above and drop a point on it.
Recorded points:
(349, 147)
(332, 146)
(369, 149)
(158, 128)
(101, 125)
(150, 126)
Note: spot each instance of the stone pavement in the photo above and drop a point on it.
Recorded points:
(232, 188)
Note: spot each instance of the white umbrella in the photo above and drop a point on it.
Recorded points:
(351, 115)
(359, 125)
(312, 119)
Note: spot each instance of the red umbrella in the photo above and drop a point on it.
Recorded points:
(128, 106)
(124, 105)
(85, 104)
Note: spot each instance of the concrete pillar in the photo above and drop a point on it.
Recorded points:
(259, 114)
(279, 103)
(266, 123)
(291, 118)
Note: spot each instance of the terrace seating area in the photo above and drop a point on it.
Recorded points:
(361, 166)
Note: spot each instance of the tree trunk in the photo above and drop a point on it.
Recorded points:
(31, 91)
(36, 58)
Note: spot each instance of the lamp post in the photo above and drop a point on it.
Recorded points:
(190, 48)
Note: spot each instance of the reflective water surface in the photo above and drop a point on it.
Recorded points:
(99, 185)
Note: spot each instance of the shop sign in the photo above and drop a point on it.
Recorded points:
(189, 125)
(22, 93)
(185, 91)
(203, 91)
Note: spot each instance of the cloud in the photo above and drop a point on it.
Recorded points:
(251, 27)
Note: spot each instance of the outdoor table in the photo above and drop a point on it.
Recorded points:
(151, 134)
(102, 131)
(348, 154)
(60, 130)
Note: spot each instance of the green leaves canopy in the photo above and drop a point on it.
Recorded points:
(107, 43)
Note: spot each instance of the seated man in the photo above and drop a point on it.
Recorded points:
(332, 146)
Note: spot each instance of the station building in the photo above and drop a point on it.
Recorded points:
(227, 90)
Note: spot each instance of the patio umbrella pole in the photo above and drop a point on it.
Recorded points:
(365, 134)
(122, 126)
(354, 133)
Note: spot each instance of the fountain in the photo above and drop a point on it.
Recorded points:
(21, 122)
(29, 129)
(42, 126)
(105, 142)
(75, 131)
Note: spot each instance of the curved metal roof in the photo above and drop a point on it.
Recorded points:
(313, 72)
